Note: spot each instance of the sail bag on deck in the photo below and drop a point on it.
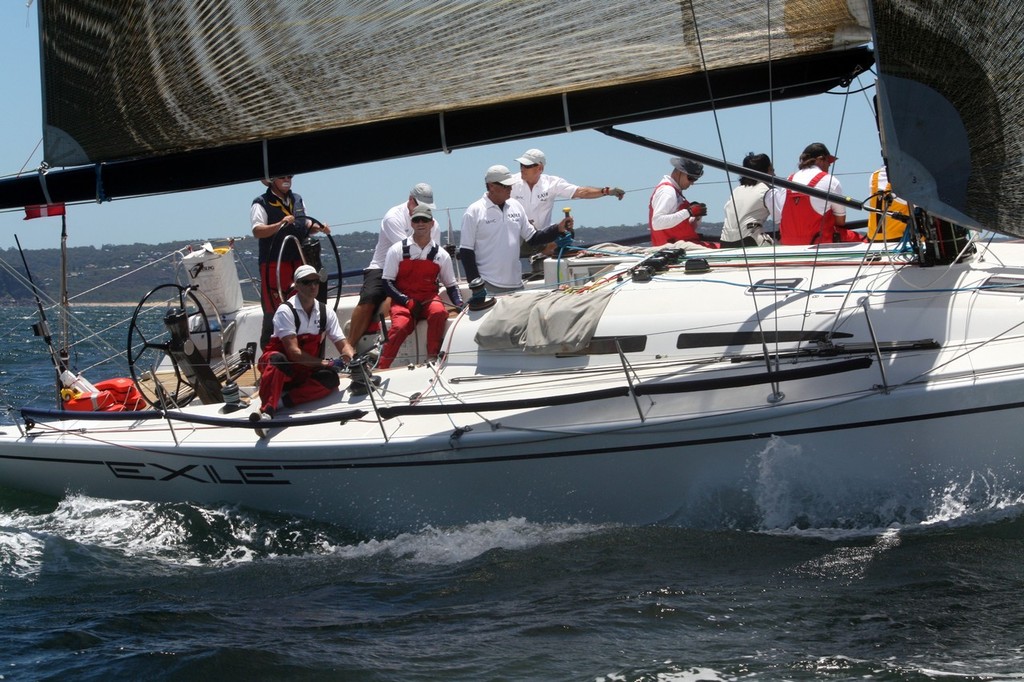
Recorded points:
(543, 324)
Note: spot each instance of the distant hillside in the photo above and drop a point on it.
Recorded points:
(138, 268)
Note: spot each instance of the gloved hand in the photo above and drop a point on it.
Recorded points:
(415, 307)
(339, 364)
(617, 192)
(697, 210)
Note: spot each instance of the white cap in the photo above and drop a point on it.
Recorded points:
(532, 157)
(423, 194)
(304, 271)
(499, 174)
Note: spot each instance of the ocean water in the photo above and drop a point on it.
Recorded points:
(120, 590)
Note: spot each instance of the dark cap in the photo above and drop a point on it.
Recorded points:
(816, 150)
(687, 166)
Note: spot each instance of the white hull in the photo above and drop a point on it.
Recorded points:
(947, 410)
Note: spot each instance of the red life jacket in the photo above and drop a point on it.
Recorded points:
(417, 278)
(310, 343)
(681, 232)
(801, 224)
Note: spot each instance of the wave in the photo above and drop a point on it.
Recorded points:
(125, 538)
(792, 492)
(129, 537)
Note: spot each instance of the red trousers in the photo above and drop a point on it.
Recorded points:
(281, 381)
(403, 324)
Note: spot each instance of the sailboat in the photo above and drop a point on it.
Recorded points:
(639, 386)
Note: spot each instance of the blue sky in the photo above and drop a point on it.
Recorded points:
(356, 197)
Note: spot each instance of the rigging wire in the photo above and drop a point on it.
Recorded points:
(718, 129)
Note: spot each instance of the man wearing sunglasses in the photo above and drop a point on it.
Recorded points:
(670, 217)
(292, 368)
(412, 269)
(394, 227)
(537, 192)
(493, 227)
(275, 215)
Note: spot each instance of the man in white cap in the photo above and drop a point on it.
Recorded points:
(537, 191)
(395, 226)
(670, 217)
(292, 368)
(493, 228)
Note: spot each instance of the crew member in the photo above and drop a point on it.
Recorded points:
(412, 269)
(670, 217)
(292, 368)
(275, 215)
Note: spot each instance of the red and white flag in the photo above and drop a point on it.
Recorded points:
(43, 211)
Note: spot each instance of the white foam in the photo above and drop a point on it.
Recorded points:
(90, 529)
(454, 545)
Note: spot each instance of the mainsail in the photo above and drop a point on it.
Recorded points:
(138, 94)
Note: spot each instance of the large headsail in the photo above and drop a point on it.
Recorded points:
(951, 103)
(250, 88)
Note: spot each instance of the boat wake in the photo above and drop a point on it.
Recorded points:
(130, 537)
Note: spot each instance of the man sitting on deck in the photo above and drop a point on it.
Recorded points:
(292, 368)
(411, 270)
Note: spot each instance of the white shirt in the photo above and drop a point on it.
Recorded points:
(394, 227)
(665, 204)
(829, 183)
(539, 202)
(284, 321)
(494, 235)
(444, 261)
(748, 204)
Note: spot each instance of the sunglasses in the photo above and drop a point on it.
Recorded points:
(309, 281)
(691, 178)
(530, 165)
(422, 220)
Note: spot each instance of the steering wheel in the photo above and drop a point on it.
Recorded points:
(155, 369)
